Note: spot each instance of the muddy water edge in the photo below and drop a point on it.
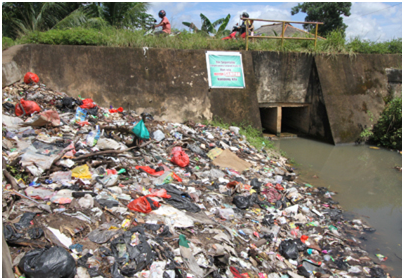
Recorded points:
(368, 187)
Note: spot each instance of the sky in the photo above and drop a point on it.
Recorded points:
(375, 21)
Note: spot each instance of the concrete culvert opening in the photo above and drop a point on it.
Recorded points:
(295, 120)
(285, 120)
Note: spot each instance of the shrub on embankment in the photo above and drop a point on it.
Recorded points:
(115, 37)
(388, 130)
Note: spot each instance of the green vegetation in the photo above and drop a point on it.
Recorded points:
(209, 28)
(388, 130)
(369, 47)
(22, 18)
(7, 42)
(117, 37)
(253, 135)
(327, 12)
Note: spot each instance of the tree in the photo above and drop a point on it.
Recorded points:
(122, 14)
(20, 18)
(327, 12)
(208, 27)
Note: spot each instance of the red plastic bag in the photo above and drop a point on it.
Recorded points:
(159, 193)
(31, 78)
(149, 170)
(83, 123)
(29, 107)
(176, 177)
(141, 204)
(180, 158)
(88, 104)
(120, 110)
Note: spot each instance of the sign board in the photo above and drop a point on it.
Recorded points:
(225, 70)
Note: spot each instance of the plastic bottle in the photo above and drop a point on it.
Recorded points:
(93, 136)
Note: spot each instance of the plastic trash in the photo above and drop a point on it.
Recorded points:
(150, 170)
(288, 249)
(81, 172)
(108, 144)
(25, 221)
(227, 213)
(88, 104)
(29, 107)
(93, 136)
(35, 233)
(179, 158)
(235, 129)
(86, 202)
(143, 204)
(158, 135)
(45, 118)
(81, 115)
(30, 77)
(140, 130)
(377, 272)
(54, 262)
(120, 110)
(189, 258)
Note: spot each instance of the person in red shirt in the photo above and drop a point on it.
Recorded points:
(164, 23)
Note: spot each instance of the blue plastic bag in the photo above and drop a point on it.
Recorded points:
(81, 115)
(141, 131)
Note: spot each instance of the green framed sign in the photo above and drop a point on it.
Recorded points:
(225, 69)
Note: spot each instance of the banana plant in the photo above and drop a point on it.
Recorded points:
(208, 27)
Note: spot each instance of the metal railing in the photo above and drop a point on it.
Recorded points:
(283, 31)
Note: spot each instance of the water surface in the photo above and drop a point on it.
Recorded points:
(368, 186)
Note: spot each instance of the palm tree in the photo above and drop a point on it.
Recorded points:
(208, 27)
(22, 18)
(122, 14)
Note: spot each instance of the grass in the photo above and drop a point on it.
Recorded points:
(113, 37)
(253, 135)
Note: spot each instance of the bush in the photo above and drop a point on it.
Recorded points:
(369, 47)
(387, 131)
(7, 42)
(75, 36)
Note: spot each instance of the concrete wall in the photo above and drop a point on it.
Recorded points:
(171, 84)
(352, 86)
(282, 77)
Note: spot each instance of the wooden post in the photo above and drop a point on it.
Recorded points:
(283, 31)
(315, 41)
(246, 35)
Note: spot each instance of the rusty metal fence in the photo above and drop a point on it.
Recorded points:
(283, 31)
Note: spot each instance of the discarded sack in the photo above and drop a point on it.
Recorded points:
(54, 262)
(30, 77)
(179, 158)
(26, 107)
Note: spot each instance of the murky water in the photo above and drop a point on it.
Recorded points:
(368, 186)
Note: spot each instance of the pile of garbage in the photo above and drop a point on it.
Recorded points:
(105, 192)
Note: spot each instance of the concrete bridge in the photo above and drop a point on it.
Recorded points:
(326, 97)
